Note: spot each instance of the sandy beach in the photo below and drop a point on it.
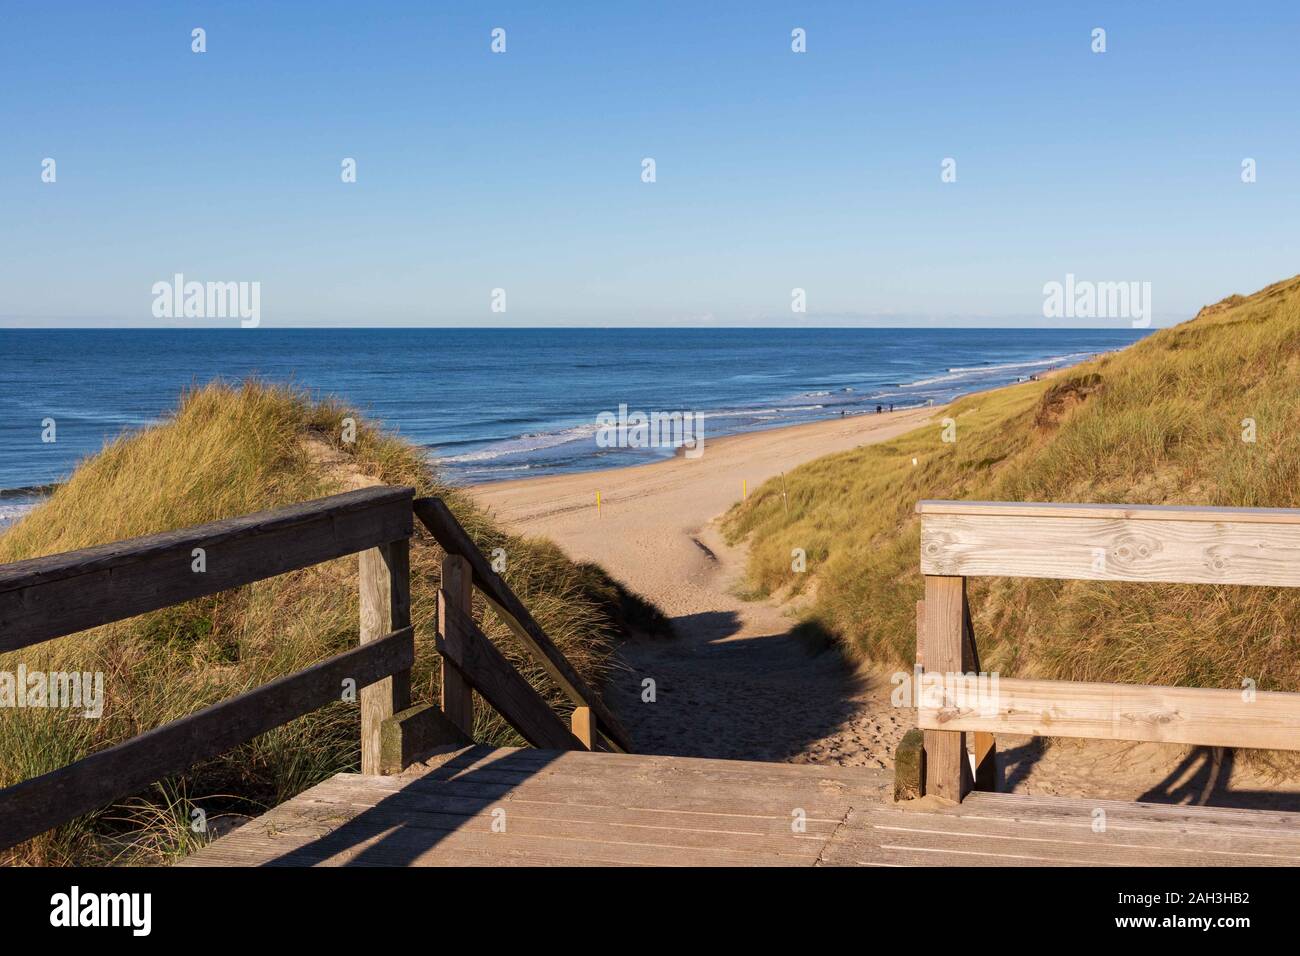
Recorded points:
(734, 683)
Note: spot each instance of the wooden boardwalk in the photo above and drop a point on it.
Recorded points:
(480, 806)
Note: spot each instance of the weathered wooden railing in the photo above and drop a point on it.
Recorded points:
(1258, 546)
(471, 661)
(48, 597)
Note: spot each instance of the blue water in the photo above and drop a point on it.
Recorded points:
(508, 403)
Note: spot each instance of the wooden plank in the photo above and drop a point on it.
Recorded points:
(466, 648)
(694, 793)
(385, 602)
(694, 799)
(946, 771)
(34, 806)
(1111, 549)
(321, 808)
(442, 524)
(823, 778)
(47, 597)
(1124, 824)
(1279, 826)
(363, 842)
(608, 808)
(1040, 509)
(1174, 715)
(595, 816)
(583, 725)
(968, 845)
(457, 695)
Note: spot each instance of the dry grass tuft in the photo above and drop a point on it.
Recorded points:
(230, 450)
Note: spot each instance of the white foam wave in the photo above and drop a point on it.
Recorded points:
(534, 441)
(958, 373)
(1034, 363)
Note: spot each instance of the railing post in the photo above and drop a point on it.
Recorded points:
(947, 773)
(385, 585)
(458, 592)
(583, 724)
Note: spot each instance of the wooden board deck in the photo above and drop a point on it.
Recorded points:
(481, 806)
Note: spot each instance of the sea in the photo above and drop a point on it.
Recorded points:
(494, 404)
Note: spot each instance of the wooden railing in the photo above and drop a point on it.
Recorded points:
(49, 597)
(1258, 546)
(471, 661)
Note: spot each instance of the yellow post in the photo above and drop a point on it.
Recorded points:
(598, 504)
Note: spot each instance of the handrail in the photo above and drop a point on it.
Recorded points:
(453, 539)
(484, 668)
(43, 598)
(1051, 509)
(1175, 544)
(48, 597)
(33, 806)
(1194, 545)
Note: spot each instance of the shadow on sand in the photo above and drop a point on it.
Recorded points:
(715, 694)
(1203, 778)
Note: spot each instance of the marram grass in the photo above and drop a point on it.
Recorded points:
(1204, 413)
(229, 450)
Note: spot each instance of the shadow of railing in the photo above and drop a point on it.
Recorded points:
(401, 829)
(1204, 778)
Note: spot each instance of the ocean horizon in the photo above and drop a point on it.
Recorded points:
(494, 404)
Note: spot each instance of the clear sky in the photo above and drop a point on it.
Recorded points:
(775, 170)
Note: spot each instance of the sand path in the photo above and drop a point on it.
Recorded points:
(734, 683)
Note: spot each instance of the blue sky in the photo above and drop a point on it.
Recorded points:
(522, 170)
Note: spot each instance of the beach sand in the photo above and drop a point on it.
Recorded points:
(735, 683)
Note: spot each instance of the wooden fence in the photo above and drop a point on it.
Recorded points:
(48, 597)
(1258, 546)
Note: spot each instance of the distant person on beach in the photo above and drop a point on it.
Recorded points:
(891, 406)
(877, 409)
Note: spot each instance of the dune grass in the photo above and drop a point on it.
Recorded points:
(1165, 421)
(229, 450)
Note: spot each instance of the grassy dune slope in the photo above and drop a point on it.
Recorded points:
(229, 451)
(1158, 423)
